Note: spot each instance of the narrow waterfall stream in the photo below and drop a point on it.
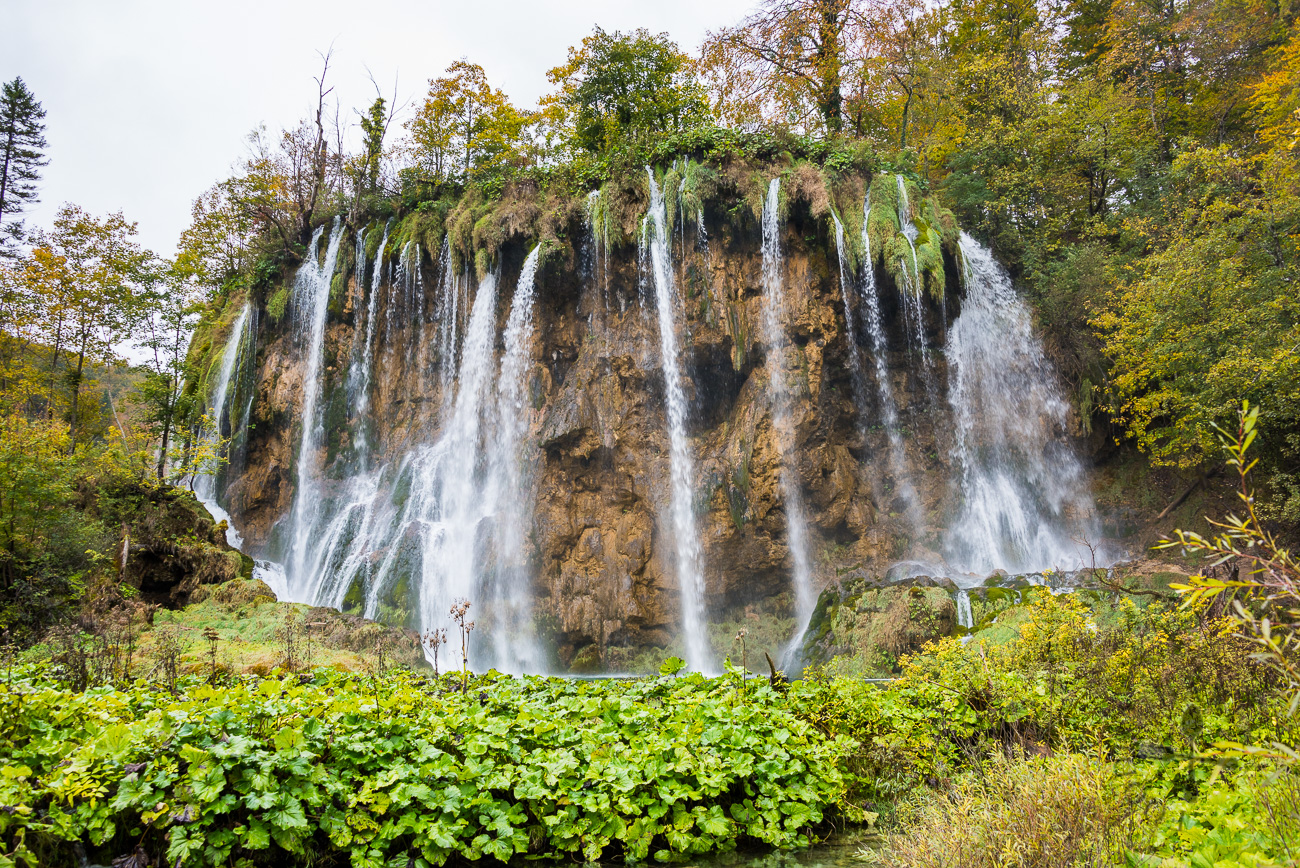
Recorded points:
(359, 385)
(856, 372)
(311, 298)
(1024, 504)
(869, 311)
(910, 278)
(685, 534)
(509, 595)
(205, 486)
(780, 371)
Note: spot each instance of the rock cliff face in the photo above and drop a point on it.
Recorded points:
(599, 542)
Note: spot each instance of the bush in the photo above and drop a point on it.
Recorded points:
(1249, 821)
(1050, 812)
(1132, 682)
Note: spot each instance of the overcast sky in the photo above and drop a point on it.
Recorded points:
(148, 102)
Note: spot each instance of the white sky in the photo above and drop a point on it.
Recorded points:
(148, 101)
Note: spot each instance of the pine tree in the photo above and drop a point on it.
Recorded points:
(22, 144)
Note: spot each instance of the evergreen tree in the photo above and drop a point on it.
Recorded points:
(22, 144)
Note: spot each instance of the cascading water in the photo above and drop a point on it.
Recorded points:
(449, 519)
(780, 370)
(399, 526)
(509, 594)
(1023, 496)
(869, 312)
(686, 536)
(910, 287)
(850, 328)
(409, 278)
(448, 310)
(205, 486)
(311, 298)
(965, 618)
(359, 377)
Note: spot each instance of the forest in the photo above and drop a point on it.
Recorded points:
(219, 467)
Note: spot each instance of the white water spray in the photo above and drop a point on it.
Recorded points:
(205, 487)
(1023, 495)
(779, 371)
(686, 536)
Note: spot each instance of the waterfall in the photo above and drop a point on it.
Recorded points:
(359, 383)
(205, 486)
(311, 298)
(690, 578)
(779, 372)
(1023, 495)
(910, 287)
(870, 315)
(446, 506)
(510, 594)
(964, 616)
(449, 519)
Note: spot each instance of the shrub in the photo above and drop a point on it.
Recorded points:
(1049, 812)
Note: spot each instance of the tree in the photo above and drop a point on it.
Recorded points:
(22, 144)
(215, 246)
(619, 87)
(785, 62)
(464, 127)
(172, 306)
(84, 274)
(374, 126)
(283, 184)
(906, 40)
(1212, 316)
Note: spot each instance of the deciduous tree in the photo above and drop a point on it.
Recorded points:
(619, 87)
(464, 127)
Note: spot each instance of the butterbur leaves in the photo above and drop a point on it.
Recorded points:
(549, 768)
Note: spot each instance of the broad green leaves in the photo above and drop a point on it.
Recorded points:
(658, 768)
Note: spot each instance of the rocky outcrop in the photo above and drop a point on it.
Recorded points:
(171, 548)
(865, 627)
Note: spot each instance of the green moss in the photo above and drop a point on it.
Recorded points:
(396, 602)
(276, 304)
(586, 661)
(354, 600)
(738, 327)
(336, 418)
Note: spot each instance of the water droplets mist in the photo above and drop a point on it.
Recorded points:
(685, 534)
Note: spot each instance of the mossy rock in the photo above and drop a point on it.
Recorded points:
(586, 661)
(863, 631)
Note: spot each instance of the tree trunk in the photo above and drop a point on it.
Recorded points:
(162, 452)
(830, 99)
(76, 397)
(4, 176)
(54, 364)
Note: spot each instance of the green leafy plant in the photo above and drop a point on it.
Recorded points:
(290, 770)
